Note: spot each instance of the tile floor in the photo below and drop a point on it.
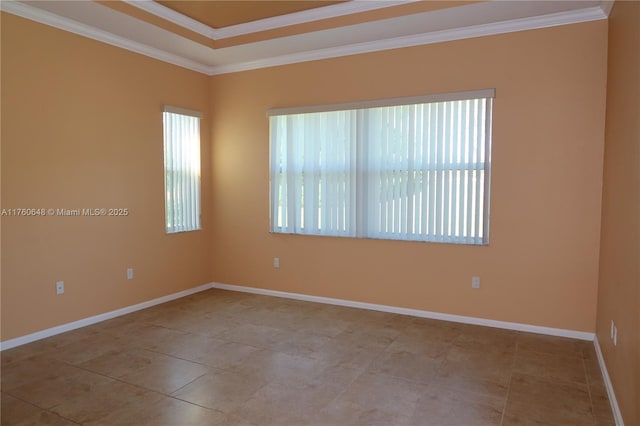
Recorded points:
(226, 358)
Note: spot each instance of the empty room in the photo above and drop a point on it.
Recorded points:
(291, 213)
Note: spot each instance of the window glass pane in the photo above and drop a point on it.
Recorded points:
(182, 172)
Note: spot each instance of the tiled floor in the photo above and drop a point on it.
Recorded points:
(227, 358)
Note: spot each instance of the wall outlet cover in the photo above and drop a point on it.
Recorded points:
(475, 282)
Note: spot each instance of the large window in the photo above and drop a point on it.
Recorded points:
(181, 169)
(409, 169)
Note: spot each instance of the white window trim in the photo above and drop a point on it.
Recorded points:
(375, 103)
(488, 94)
(182, 111)
(193, 187)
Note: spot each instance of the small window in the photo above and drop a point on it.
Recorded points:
(181, 169)
(407, 169)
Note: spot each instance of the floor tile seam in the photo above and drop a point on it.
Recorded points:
(511, 371)
(381, 352)
(279, 329)
(63, 417)
(231, 368)
(316, 411)
(186, 384)
(439, 367)
(305, 357)
(195, 404)
(176, 357)
(65, 363)
(381, 409)
(168, 328)
(553, 378)
(415, 382)
(592, 406)
(186, 360)
(121, 380)
(456, 339)
(444, 356)
(582, 363)
(572, 414)
(404, 379)
(346, 387)
(367, 365)
(529, 352)
(568, 414)
(475, 348)
(421, 393)
(229, 340)
(48, 410)
(556, 354)
(31, 403)
(238, 410)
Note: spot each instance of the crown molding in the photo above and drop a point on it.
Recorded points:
(545, 21)
(171, 15)
(326, 12)
(606, 6)
(66, 24)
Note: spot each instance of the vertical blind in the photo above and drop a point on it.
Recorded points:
(411, 169)
(181, 169)
(313, 180)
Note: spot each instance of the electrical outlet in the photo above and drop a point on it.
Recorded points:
(475, 282)
(613, 326)
(129, 273)
(276, 262)
(59, 287)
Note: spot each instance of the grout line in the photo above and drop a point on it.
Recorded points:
(117, 379)
(588, 382)
(197, 405)
(48, 410)
(513, 364)
(170, 394)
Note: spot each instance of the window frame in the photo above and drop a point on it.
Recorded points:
(191, 163)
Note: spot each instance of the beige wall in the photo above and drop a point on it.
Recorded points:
(82, 128)
(619, 290)
(542, 265)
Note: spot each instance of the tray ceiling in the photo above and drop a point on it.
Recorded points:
(215, 37)
(220, 14)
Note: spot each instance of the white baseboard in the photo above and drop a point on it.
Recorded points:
(22, 340)
(581, 335)
(617, 414)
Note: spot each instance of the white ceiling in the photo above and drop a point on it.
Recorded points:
(102, 23)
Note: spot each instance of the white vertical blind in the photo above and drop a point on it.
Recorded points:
(411, 172)
(312, 157)
(426, 170)
(182, 170)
